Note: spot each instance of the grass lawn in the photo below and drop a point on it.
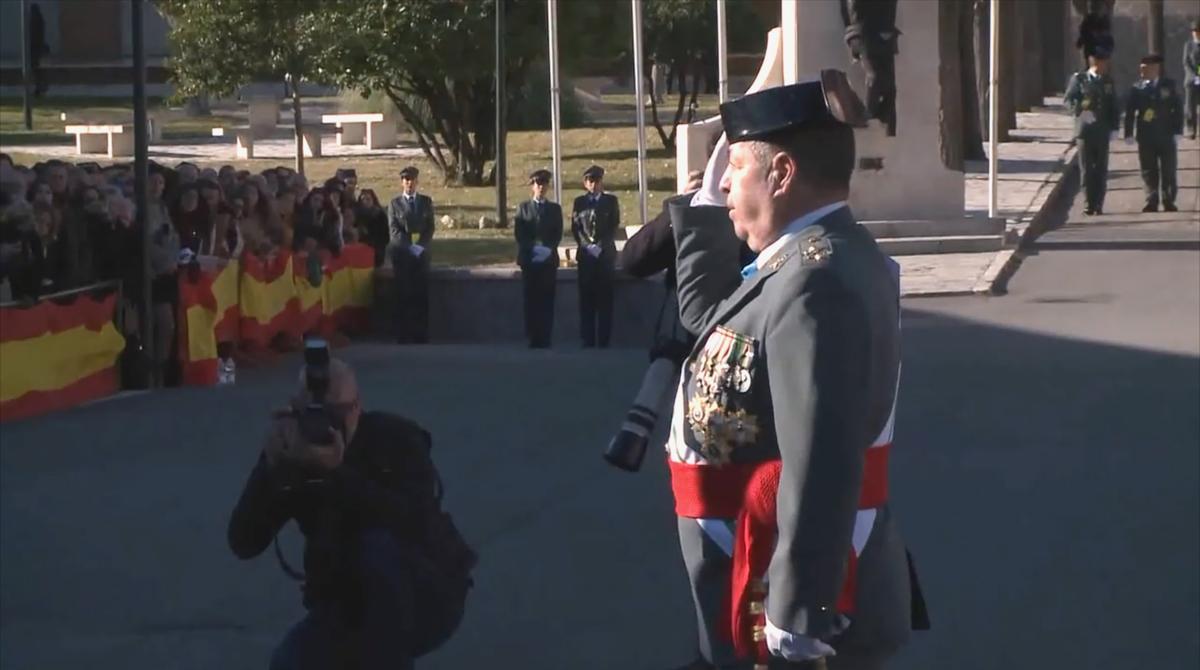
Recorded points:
(48, 126)
(706, 105)
(614, 148)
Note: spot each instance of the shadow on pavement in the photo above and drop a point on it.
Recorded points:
(1047, 487)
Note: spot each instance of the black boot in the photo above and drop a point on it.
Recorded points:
(1150, 207)
(1170, 207)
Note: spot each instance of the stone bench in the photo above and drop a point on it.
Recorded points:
(243, 140)
(373, 130)
(155, 121)
(263, 114)
(114, 140)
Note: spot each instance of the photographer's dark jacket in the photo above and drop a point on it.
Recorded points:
(383, 482)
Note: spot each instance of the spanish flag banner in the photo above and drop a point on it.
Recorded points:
(208, 314)
(267, 299)
(350, 289)
(57, 354)
(310, 298)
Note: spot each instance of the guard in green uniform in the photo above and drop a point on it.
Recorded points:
(1091, 96)
(1155, 108)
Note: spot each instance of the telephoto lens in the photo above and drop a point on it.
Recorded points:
(628, 447)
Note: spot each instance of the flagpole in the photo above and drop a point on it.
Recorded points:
(722, 54)
(555, 113)
(640, 101)
(993, 108)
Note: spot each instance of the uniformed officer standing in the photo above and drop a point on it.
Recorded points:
(1155, 107)
(1092, 99)
(410, 219)
(538, 228)
(782, 428)
(1191, 77)
(594, 222)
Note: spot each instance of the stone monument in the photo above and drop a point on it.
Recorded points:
(899, 179)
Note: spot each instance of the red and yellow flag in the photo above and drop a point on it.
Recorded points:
(208, 314)
(267, 299)
(350, 289)
(54, 356)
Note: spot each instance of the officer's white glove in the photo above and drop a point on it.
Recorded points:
(416, 250)
(594, 250)
(540, 253)
(1129, 141)
(1087, 116)
(710, 190)
(793, 647)
(1196, 80)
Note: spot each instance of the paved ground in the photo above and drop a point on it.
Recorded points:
(1046, 478)
(1116, 227)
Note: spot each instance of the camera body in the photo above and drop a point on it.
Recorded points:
(315, 420)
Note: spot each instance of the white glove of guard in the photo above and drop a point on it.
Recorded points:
(710, 190)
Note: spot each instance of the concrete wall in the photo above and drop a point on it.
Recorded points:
(485, 305)
(10, 30)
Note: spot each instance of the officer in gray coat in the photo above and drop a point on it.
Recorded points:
(1191, 77)
(538, 228)
(1154, 107)
(410, 220)
(782, 426)
(1093, 101)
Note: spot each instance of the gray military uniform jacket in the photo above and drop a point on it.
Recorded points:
(410, 223)
(1155, 109)
(1086, 93)
(818, 332)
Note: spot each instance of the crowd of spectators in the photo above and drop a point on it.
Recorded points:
(66, 226)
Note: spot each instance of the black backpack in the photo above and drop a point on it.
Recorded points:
(442, 559)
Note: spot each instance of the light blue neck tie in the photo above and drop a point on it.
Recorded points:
(749, 271)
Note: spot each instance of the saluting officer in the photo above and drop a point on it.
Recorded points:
(410, 219)
(1093, 101)
(1155, 109)
(539, 229)
(782, 432)
(594, 222)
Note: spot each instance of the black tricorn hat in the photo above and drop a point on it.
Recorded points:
(775, 110)
(539, 175)
(1152, 59)
(410, 172)
(594, 172)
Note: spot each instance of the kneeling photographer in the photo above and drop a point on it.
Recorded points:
(386, 573)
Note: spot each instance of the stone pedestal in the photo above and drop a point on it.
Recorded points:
(901, 177)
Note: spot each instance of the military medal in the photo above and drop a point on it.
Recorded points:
(1148, 115)
(723, 368)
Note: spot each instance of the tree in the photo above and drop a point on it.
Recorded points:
(217, 46)
(436, 62)
(679, 33)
